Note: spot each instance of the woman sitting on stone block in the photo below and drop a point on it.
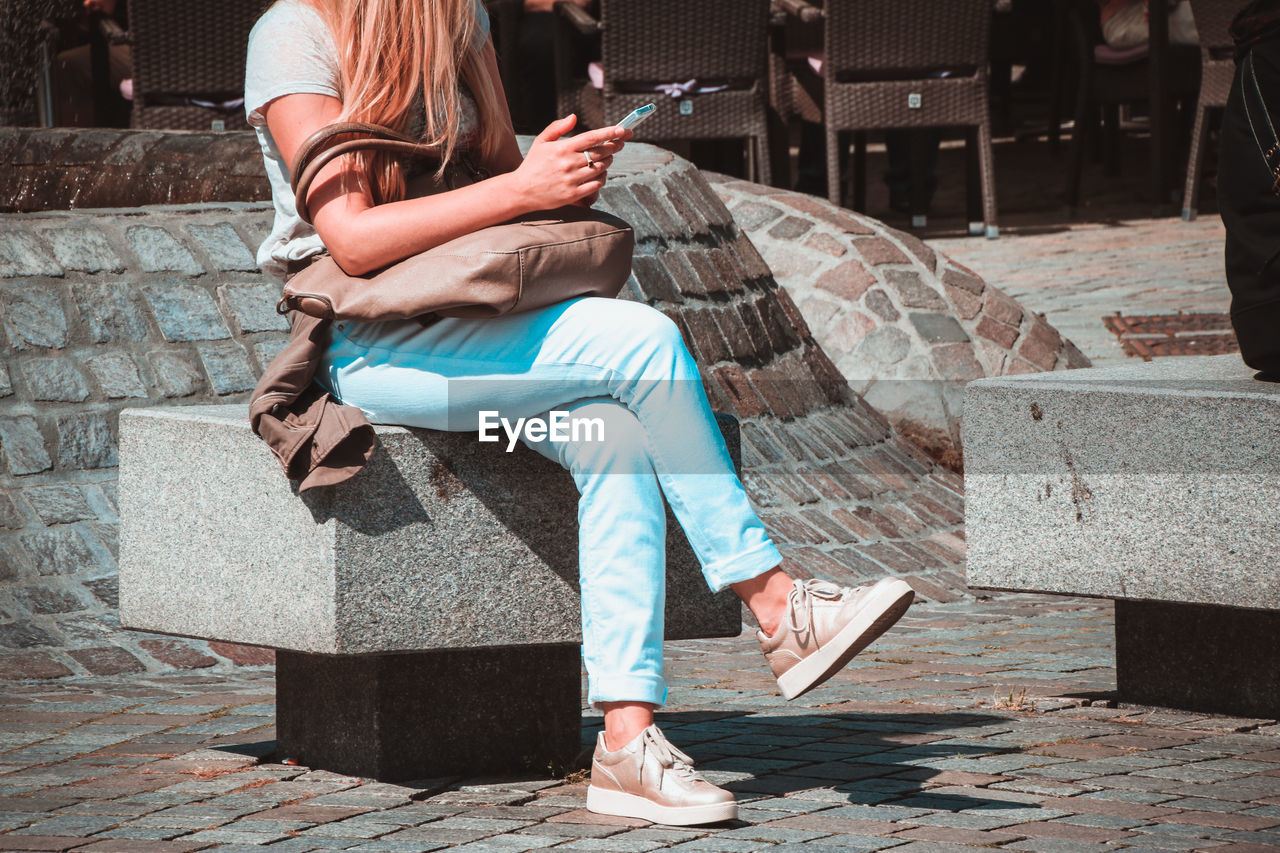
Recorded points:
(428, 67)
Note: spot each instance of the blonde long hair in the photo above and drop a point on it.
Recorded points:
(388, 51)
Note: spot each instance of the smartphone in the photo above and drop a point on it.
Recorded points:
(633, 118)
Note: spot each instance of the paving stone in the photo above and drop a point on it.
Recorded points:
(33, 317)
(227, 366)
(25, 635)
(224, 246)
(253, 306)
(107, 661)
(54, 380)
(117, 375)
(59, 503)
(21, 255)
(111, 313)
(158, 251)
(886, 345)
(185, 312)
(937, 328)
(85, 441)
(23, 446)
(6, 383)
(83, 248)
(177, 654)
(176, 373)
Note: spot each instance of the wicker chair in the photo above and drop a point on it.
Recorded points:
(1110, 78)
(648, 43)
(898, 64)
(190, 50)
(1217, 69)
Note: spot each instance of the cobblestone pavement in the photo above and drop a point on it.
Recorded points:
(1076, 274)
(973, 724)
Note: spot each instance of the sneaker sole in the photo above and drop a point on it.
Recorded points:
(885, 607)
(622, 804)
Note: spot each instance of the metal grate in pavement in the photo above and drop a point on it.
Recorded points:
(1153, 335)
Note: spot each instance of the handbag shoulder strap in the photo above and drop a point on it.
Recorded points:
(1259, 119)
(327, 143)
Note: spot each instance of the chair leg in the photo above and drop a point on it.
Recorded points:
(764, 170)
(833, 164)
(1111, 140)
(987, 165)
(972, 182)
(1191, 192)
(858, 169)
(918, 190)
(779, 151)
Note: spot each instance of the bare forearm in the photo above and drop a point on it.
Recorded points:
(373, 237)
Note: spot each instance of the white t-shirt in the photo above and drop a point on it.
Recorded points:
(290, 52)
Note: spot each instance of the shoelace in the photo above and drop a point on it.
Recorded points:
(656, 744)
(798, 600)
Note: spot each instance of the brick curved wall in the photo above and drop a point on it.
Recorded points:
(163, 306)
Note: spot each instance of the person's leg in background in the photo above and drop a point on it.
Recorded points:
(1251, 210)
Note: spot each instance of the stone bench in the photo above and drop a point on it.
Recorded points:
(425, 613)
(1154, 484)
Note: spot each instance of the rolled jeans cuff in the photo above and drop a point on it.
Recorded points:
(742, 567)
(627, 688)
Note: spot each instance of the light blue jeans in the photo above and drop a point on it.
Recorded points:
(614, 367)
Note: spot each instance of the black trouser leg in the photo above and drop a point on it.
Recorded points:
(1251, 214)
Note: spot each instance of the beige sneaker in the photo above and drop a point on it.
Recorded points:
(652, 780)
(826, 626)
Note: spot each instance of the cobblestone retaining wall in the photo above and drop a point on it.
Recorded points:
(906, 326)
(164, 306)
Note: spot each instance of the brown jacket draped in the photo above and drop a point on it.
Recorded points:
(318, 440)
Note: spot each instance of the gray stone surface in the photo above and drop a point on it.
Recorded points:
(1147, 481)
(186, 312)
(158, 251)
(54, 380)
(23, 445)
(1223, 660)
(440, 543)
(82, 248)
(224, 247)
(431, 714)
(33, 317)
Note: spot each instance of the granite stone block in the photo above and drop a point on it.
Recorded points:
(85, 441)
(82, 248)
(159, 251)
(117, 375)
(23, 445)
(110, 312)
(227, 365)
(224, 246)
(54, 380)
(397, 717)
(1155, 481)
(46, 599)
(22, 255)
(427, 548)
(176, 373)
(10, 515)
(938, 328)
(253, 305)
(186, 312)
(59, 551)
(58, 504)
(33, 317)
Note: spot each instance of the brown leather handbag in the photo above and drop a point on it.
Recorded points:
(533, 261)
